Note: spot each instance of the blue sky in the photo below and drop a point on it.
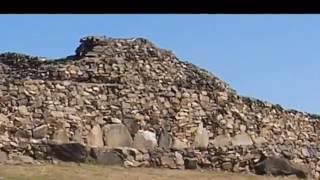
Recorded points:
(271, 57)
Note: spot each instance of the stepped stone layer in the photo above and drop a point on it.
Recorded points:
(129, 98)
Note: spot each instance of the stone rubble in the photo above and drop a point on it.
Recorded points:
(128, 93)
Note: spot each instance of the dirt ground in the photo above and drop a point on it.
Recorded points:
(94, 172)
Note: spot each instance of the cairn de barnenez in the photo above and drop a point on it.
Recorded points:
(127, 102)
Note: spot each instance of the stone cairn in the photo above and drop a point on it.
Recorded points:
(127, 102)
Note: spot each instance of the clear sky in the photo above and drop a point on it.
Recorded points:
(270, 57)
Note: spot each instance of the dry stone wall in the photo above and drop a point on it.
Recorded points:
(131, 102)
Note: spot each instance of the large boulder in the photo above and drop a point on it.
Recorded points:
(117, 135)
(107, 157)
(145, 140)
(201, 138)
(74, 152)
(278, 166)
(165, 140)
(95, 137)
(3, 157)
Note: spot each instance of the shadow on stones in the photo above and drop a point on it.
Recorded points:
(70, 152)
(75, 152)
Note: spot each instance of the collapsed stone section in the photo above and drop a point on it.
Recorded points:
(129, 93)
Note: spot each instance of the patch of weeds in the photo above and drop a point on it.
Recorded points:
(90, 160)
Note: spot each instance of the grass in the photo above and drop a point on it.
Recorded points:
(95, 172)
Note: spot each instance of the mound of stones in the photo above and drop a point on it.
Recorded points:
(126, 101)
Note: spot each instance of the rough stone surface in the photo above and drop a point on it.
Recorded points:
(107, 157)
(23, 110)
(77, 137)
(201, 137)
(3, 118)
(61, 136)
(190, 163)
(227, 166)
(117, 135)
(242, 139)
(179, 144)
(21, 159)
(3, 157)
(95, 137)
(74, 152)
(116, 121)
(165, 140)
(279, 167)
(130, 85)
(145, 140)
(221, 140)
(179, 159)
(40, 132)
(168, 161)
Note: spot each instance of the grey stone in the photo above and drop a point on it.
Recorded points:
(60, 136)
(145, 140)
(127, 151)
(57, 114)
(287, 154)
(190, 163)
(77, 136)
(221, 141)
(23, 133)
(26, 159)
(117, 135)
(259, 141)
(40, 132)
(3, 157)
(107, 157)
(179, 159)
(73, 152)
(95, 137)
(132, 125)
(178, 144)
(23, 110)
(314, 153)
(305, 152)
(145, 157)
(278, 166)
(130, 153)
(116, 121)
(242, 139)
(136, 164)
(243, 128)
(165, 140)
(22, 159)
(167, 161)
(202, 137)
(3, 119)
(227, 166)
